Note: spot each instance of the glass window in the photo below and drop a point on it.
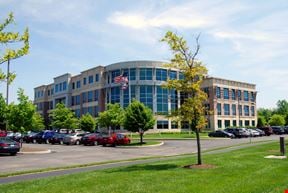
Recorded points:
(219, 123)
(252, 96)
(146, 96)
(162, 100)
(172, 75)
(48, 92)
(60, 86)
(174, 125)
(234, 123)
(96, 111)
(72, 100)
(219, 109)
(253, 123)
(132, 74)
(233, 109)
(252, 111)
(115, 95)
(226, 93)
(181, 76)
(246, 110)
(146, 74)
(90, 79)
(90, 96)
(73, 85)
(96, 77)
(64, 85)
(246, 96)
(77, 99)
(96, 95)
(240, 110)
(247, 123)
(174, 99)
(56, 88)
(126, 95)
(162, 124)
(161, 74)
(233, 94)
(90, 110)
(218, 92)
(78, 84)
(77, 112)
(239, 95)
(206, 90)
(114, 74)
(84, 97)
(84, 81)
(52, 91)
(226, 109)
(227, 123)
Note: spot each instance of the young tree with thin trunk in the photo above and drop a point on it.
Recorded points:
(192, 109)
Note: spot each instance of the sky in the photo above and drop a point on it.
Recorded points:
(241, 40)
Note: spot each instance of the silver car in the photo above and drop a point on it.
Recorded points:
(73, 138)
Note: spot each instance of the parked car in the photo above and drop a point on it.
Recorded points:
(91, 139)
(285, 129)
(28, 138)
(238, 132)
(253, 133)
(57, 138)
(8, 145)
(115, 139)
(262, 133)
(17, 136)
(73, 138)
(278, 130)
(221, 133)
(267, 129)
(3, 133)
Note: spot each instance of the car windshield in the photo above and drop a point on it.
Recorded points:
(5, 139)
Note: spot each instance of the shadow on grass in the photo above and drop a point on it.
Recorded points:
(146, 167)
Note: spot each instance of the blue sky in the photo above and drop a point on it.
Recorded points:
(241, 40)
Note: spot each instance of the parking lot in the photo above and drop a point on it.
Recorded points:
(64, 155)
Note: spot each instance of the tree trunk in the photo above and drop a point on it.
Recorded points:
(198, 147)
(141, 137)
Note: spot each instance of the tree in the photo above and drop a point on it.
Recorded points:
(192, 110)
(112, 117)
(261, 121)
(266, 113)
(20, 117)
(138, 118)
(3, 111)
(277, 120)
(63, 118)
(282, 107)
(87, 123)
(12, 38)
(37, 122)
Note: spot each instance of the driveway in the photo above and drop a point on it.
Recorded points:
(70, 155)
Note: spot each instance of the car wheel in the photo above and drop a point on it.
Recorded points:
(13, 154)
(47, 141)
(77, 142)
(34, 141)
(61, 142)
(104, 144)
(95, 142)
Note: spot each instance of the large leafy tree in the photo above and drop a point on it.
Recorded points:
(266, 113)
(112, 118)
(138, 118)
(282, 107)
(277, 120)
(11, 38)
(261, 121)
(3, 111)
(22, 116)
(63, 117)
(87, 122)
(37, 122)
(192, 109)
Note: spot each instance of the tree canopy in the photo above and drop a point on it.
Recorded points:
(87, 123)
(138, 118)
(192, 109)
(63, 117)
(12, 38)
(277, 120)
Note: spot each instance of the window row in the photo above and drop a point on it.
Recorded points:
(93, 110)
(89, 96)
(234, 94)
(62, 86)
(233, 123)
(86, 80)
(230, 109)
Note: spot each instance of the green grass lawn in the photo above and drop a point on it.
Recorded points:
(180, 135)
(239, 171)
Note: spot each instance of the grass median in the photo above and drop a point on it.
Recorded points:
(239, 171)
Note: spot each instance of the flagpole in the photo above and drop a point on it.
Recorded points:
(129, 85)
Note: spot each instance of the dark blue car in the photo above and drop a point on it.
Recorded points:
(44, 136)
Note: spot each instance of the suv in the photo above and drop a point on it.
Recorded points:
(278, 130)
(238, 132)
(268, 130)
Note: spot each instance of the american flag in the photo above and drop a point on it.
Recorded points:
(123, 80)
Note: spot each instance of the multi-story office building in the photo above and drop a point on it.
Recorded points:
(232, 103)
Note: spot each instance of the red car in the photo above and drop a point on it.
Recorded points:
(115, 139)
(91, 139)
(3, 133)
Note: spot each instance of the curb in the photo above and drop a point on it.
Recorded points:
(156, 145)
(35, 152)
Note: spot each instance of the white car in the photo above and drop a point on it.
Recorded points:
(253, 133)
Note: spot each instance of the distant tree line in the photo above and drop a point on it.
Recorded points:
(274, 117)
